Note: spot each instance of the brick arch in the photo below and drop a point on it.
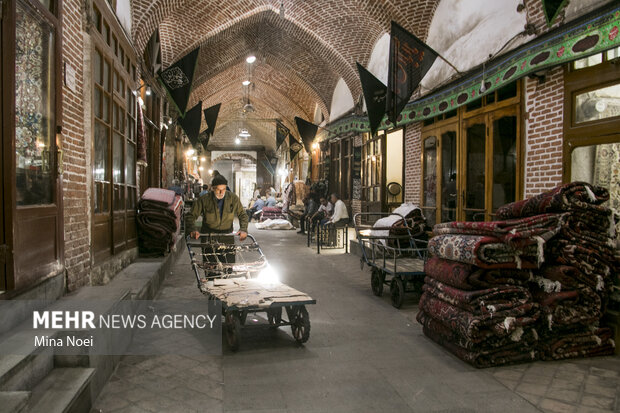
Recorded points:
(346, 28)
(234, 155)
(265, 34)
(227, 84)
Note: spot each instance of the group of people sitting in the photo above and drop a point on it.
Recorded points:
(260, 202)
(323, 212)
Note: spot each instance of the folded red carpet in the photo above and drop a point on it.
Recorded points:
(469, 277)
(485, 251)
(565, 308)
(478, 328)
(584, 343)
(572, 196)
(487, 301)
(509, 350)
(518, 233)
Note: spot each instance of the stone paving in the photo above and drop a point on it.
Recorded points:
(363, 355)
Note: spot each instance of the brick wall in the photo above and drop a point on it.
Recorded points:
(75, 187)
(544, 106)
(413, 167)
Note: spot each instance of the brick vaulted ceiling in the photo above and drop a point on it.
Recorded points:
(300, 56)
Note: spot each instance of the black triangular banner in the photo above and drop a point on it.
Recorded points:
(281, 133)
(294, 147)
(307, 131)
(178, 78)
(211, 118)
(410, 59)
(552, 9)
(191, 123)
(375, 93)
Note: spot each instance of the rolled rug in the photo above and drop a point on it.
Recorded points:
(469, 277)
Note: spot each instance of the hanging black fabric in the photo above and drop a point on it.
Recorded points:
(211, 118)
(375, 94)
(410, 59)
(552, 9)
(281, 134)
(177, 79)
(191, 123)
(307, 131)
(294, 147)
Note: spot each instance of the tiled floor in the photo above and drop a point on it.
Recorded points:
(363, 356)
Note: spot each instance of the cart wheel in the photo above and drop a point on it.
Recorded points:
(274, 315)
(233, 330)
(376, 282)
(300, 324)
(397, 292)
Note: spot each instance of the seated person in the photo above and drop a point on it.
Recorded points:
(340, 216)
(271, 200)
(325, 211)
(258, 206)
(311, 207)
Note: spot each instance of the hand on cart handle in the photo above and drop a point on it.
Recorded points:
(242, 235)
(194, 234)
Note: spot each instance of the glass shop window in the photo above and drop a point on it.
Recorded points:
(598, 104)
(34, 107)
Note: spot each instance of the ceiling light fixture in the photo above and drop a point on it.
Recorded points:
(251, 59)
(244, 133)
(203, 159)
(246, 83)
(148, 91)
(190, 152)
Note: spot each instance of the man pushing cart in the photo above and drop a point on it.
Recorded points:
(237, 272)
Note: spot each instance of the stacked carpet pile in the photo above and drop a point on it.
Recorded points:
(159, 221)
(271, 213)
(531, 285)
(573, 285)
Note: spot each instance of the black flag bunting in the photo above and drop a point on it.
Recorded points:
(293, 146)
(211, 118)
(552, 8)
(410, 59)
(374, 93)
(307, 131)
(177, 79)
(281, 134)
(191, 123)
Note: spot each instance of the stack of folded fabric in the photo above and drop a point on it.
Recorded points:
(485, 317)
(573, 285)
(271, 213)
(159, 221)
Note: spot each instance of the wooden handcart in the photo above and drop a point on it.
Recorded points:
(395, 260)
(239, 276)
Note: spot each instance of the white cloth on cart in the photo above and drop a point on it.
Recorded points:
(386, 222)
(274, 224)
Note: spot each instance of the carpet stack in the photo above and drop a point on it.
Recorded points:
(159, 221)
(573, 284)
(531, 285)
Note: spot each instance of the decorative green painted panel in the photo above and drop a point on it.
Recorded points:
(590, 37)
